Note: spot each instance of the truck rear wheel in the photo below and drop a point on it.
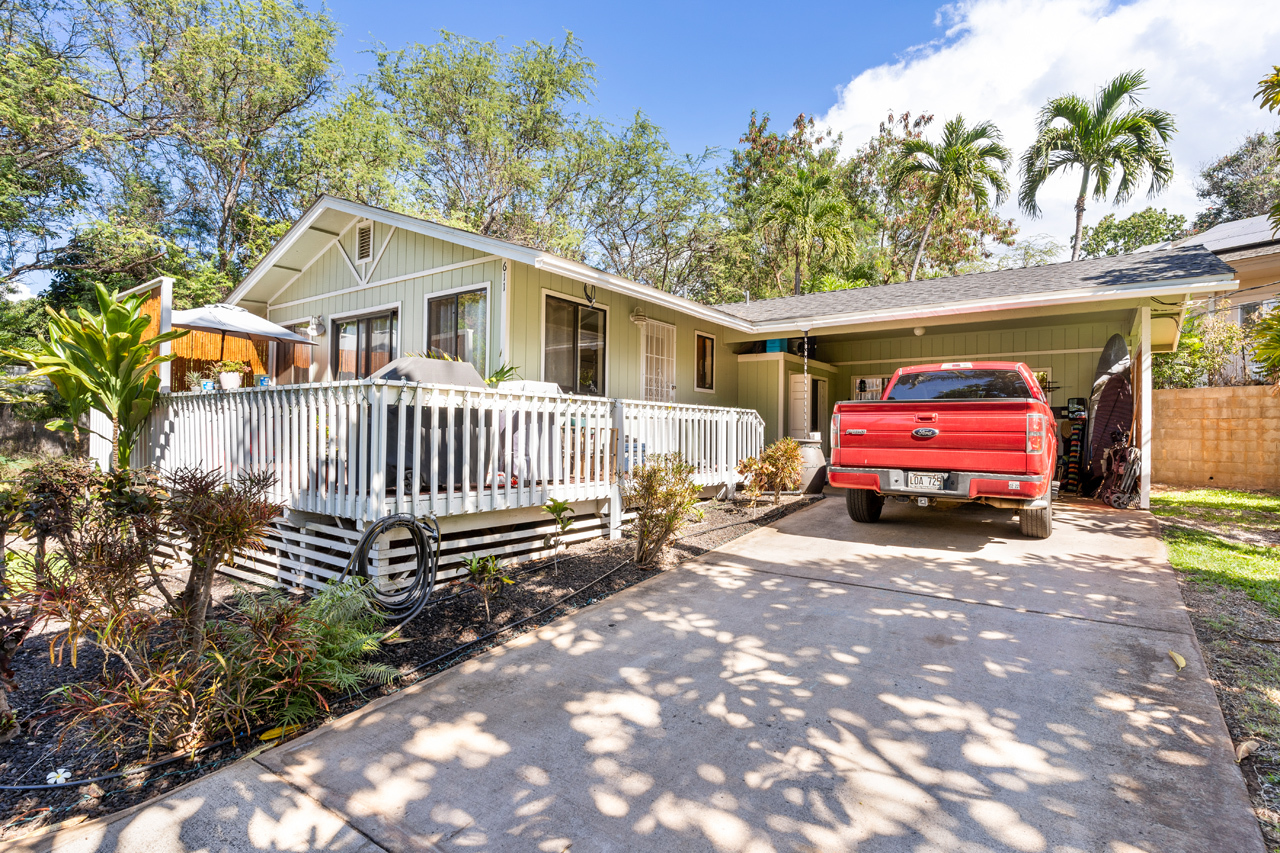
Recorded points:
(864, 505)
(1037, 523)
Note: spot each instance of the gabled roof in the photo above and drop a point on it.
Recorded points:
(1095, 277)
(1154, 273)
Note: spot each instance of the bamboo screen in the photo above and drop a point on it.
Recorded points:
(198, 352)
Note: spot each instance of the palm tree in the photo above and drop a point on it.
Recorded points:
(1269, 92)
(967, 165)
(1113, 141)
(812, 216)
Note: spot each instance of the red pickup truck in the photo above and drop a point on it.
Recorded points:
(964, 431)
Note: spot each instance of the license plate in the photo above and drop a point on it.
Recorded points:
(925, 481)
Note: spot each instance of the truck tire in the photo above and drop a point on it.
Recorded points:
(864, 505)
(1037, 523)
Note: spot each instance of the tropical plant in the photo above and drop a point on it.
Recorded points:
(1209, 350)
(1244, 182)
(814, 219)
(486, 575)
(559, 510)
(219, 521)
(232, 366)
(777, 469)
(664, 495)
(502, 373)
(967, 165)
(103, 361)
(1269, 94)
(1113, 141)
(1264, 340)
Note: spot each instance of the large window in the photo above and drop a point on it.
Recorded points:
(704, 374)
(293, 361)
(458, 325)
(362, 345)
(574, 342)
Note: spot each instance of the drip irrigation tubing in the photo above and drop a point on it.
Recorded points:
(409, 602)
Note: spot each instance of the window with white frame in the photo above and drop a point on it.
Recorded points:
(868, 387)
(293, 361)
(704, 364)
(365, 344)
(458, 326)
(573, 344)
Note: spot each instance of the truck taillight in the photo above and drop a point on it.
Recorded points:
(835, 430)
(1035, 433)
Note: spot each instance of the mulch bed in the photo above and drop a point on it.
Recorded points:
(46, 744)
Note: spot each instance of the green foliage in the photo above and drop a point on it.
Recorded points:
(1111, 140)
(777, 469)
(486, 575)
(1263, 337)
(1208, 558)
(1120, 237)
(967, 166)
(1269, 94)
(1032, 252)
(1208, 349)
(563, 514)
(101, 361)
(664, 496)
(502, 373)
(1230, 499)
(812, 219)
(1243, 183)
(231, 366)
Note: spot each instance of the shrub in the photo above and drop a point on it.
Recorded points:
(663, 493)
(563, 515)
(485, 576)
(777, 469)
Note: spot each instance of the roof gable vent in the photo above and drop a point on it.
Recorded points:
(364, 242)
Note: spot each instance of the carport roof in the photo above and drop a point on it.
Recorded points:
(1167, 266)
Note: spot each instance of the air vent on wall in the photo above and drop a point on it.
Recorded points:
(364, 243)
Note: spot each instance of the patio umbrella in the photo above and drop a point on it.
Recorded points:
(234, 321)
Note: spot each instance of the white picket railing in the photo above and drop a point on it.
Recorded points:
(710, 438)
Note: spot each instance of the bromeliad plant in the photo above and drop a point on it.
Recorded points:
(486, 575)
(102, 361)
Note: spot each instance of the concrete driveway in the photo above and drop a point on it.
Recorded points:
(931, 683)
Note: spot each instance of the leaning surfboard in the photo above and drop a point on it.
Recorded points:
(1110, 403)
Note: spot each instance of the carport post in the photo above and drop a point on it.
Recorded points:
(1144, 413)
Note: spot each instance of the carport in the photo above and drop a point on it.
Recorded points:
(1056, 318)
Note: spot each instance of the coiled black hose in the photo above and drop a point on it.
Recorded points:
(407, 602)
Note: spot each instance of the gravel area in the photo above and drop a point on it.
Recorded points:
(47, 744)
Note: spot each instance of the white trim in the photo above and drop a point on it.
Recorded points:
(361, 312)
(486, 286)
(786, 356)
(300, 321)
(1060, 297)
(285, 243)
(715, 359)
(644, 360)
(378, 258)
(386, 281)
(308, 265)
(980, 357)
(330, 367)
(1145, 413)
(542, 334)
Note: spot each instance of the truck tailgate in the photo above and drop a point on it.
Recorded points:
(978, 436)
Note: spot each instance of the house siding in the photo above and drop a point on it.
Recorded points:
(313, 292)
(623, 345)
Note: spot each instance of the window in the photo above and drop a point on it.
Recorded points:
(704, 376)
(458, 325)
(364, 242)
(868, 387)
(960, 385)
(573, 342)
(362, 345)
(293, 361)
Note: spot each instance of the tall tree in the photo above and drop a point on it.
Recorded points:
(1113, 141)
(813, 219)
(1269, 94)
(1241, 184)
(1120, 237)
(967, 165)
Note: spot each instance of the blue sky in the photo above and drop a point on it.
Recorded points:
(697, 69)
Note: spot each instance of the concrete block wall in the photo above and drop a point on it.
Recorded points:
(1217, 437)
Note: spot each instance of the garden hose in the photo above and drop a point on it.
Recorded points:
(407, 602)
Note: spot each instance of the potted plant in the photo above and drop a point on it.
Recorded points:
(231, 373)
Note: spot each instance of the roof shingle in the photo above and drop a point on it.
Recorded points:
(1190, 262)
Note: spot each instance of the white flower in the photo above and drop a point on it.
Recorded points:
(61, 776)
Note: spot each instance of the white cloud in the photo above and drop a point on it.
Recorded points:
(1002, 59)
(19, 292)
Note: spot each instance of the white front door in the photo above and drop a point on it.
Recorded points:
(659, 362)
(806, 416)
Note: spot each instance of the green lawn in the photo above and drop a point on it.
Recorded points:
(1171, 502)
(1212, 559)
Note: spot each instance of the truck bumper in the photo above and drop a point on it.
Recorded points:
(1019, 490)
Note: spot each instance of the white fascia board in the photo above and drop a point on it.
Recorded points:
(618, 284)
(286, 242)
(1035, 300)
